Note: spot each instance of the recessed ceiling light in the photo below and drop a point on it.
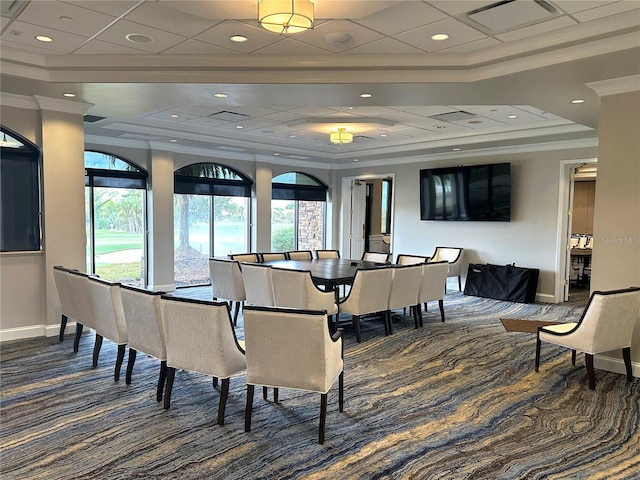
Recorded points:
(293, 136)
(43, 38)
(239, 126)
(512, 116)
(138, 38)
(383, 134)
(238, 38)
(65, 18)
(173, 140)
(70, 95)
(438, 37)
(577, 100)
(175, 115)
(220, 95)
(276, 154)
(366, 95)
(455, 149)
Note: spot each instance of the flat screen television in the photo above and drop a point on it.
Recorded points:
(466, 193)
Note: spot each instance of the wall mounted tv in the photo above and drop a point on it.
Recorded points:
(466, 193)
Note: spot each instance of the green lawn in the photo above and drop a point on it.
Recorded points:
(108, 241)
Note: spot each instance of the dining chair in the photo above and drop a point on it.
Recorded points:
(405, 290)
(227, 283)
(79, 286)
(200, 338)
(291, 348)
(67, 305)
(379, 257)
(272, 256)
(300, 255)
(109, 322)
(369, 294)
(405, 259)
(607, 323)
(295, 289)
(433, 286)
(258, 285)
(144, 326)
(245, 257)
(327, 254)
(453, 255)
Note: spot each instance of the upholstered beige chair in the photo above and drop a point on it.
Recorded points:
(369, 294)
(404, 259)
(109, 321)
(79, 285)
(379, 257)
(200, 338)
(454, 256)
(606, 324)
(245, 257)
(67, 306)
(295, 289)
(144, 327)
(258, 284)
(300, 255)
(433, 286)
(405, 290)
(289, 348)
(227, 283)
(327, 254)
(272, 256)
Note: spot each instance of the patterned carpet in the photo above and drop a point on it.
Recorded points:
(454, 400)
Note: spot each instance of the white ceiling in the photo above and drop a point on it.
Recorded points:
(509, 71)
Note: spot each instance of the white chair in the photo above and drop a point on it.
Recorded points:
(257, 284)
(245, 257)
(300, 255)
(327, 254)
(295, 289)
(404, 259)
(144, 326)
(606, 324)
(272, 256)
(454, 256)
(200, 338)
(405, 290)
(369, 294)
(79, 286)
(109, 319)
(433, 286)
(288, 348)
(379, 257)
(227, 283)
(67, 306)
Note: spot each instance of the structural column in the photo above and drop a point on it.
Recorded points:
(261, 211)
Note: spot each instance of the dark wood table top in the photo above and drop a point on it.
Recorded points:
(329, 272)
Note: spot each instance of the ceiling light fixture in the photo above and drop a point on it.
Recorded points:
(220, 95)
(285, 16)
(512, 116)
(69, 95)
(438, 37)
(238, 38)
(341, 136)
(577, 101)
(365, 95)
(43, 38)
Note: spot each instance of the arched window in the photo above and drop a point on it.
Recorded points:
(298, 211)
(19, 194)
(115, 200)
(211, 218)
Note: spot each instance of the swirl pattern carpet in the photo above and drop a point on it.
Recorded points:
(453, 400)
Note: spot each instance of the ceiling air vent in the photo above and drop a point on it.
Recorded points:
(509, 15)
(229, 116)
(12, 8)
(93, 118)
(457, 116)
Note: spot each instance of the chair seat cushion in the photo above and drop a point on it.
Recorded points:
(559, 328)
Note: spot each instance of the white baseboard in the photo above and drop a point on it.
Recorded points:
(545, 298)
(33, 331)
(616, 365)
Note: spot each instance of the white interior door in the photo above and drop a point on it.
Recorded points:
(357, 222)
(568, 267)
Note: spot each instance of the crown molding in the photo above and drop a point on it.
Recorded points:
(614, 86)
(61, 105)
(18, 101)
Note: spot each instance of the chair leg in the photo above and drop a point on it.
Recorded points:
(96, 349)
(591, 374)
(420, 318)
(215, 382)
(459, 284)
(387, 317)
(171, 375)
(415, 311)
(119, 360)
(235, 314)
(626, 355)
(222, 403)
(276, 390)
(76, 340)
(162, 379)
(63, 325)
(441, 305)
(341, 392)
(265, 393)
(538, 342)
(323, 417)
(356, 323)
(130, 363)
(248, 408)
(573, 357)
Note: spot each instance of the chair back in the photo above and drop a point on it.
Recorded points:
(608, 320)
(405, 286)
(403, 259)
(272, 256)
(434, 281)
(108, 314)
(291, 348)
(144, 321)
(258, 284)
(453, 255)
(295, 289)
(199, 336)
(79, 285)
(327, 254)
(300, 255)
(379, 257)
(65, 295)
(369, 292)
(226, 279)
(245, 257)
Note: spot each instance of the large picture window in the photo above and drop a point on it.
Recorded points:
(115, 193)
(19, 194)
(211, 218)
(298, 210)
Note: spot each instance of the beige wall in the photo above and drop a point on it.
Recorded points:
(584, 198)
